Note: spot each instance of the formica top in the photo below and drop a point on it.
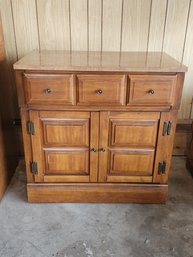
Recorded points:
(99, 61)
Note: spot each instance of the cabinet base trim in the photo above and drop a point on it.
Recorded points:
(97, 193)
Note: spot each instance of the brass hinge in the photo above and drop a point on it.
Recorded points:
(161, 168)
(30, 128)
(34, 167)
(167, 127)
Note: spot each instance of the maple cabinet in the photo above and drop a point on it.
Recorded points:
(98, 133)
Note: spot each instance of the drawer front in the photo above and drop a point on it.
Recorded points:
(101, 89)
(49, 89)
(151, 90)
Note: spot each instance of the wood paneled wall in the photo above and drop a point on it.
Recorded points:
(102, 25)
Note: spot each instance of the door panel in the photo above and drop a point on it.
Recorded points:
(61, 146)
(67, 162)
(127, 146)
(66, 132)
(133, 133)
(131, 163)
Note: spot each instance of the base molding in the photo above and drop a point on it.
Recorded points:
(97, 193)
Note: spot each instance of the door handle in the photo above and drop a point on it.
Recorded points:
(93, 150)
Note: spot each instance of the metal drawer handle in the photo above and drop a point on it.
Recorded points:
(151, 92)
(99, 91)
(93, 150)
(102, 150)
(48, 91)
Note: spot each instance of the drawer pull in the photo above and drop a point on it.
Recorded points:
(151, 92)
(99, 91)
(48, 91)
(102, 150)
(93, 150)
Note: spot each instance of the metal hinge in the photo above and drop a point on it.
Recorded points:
(30, 128)
(162, 168)
(167, 127)
(17, 122)
(34, 167)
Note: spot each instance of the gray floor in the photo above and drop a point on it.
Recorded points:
(98, 230)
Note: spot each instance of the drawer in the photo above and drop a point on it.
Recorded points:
(49, 89)
(101, 89)
(152, 89)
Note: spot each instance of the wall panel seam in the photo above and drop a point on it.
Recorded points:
(150, 12)
(101, 25)
(38, 28)
(101, 22)
(69, 9)
(121, 33)
(184, 45)
(14, 30)
(166, 14)
(88, 34)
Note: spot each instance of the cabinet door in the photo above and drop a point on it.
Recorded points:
(64, 144)
(165, 144)
(127, 146)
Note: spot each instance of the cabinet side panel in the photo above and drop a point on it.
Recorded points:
(3, 165)
(179, 87)
(20, 89)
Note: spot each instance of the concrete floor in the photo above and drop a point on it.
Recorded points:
(98, 230)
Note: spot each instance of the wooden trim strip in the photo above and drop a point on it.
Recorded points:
(98, 193)
(135, 179)
(66, 178)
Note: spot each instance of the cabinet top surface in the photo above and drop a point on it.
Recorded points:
(99, 61)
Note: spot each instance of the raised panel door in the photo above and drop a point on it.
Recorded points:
(63, 144)
(127, 146)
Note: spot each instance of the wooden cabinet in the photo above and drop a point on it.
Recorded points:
(98, 134)
(9, 149)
